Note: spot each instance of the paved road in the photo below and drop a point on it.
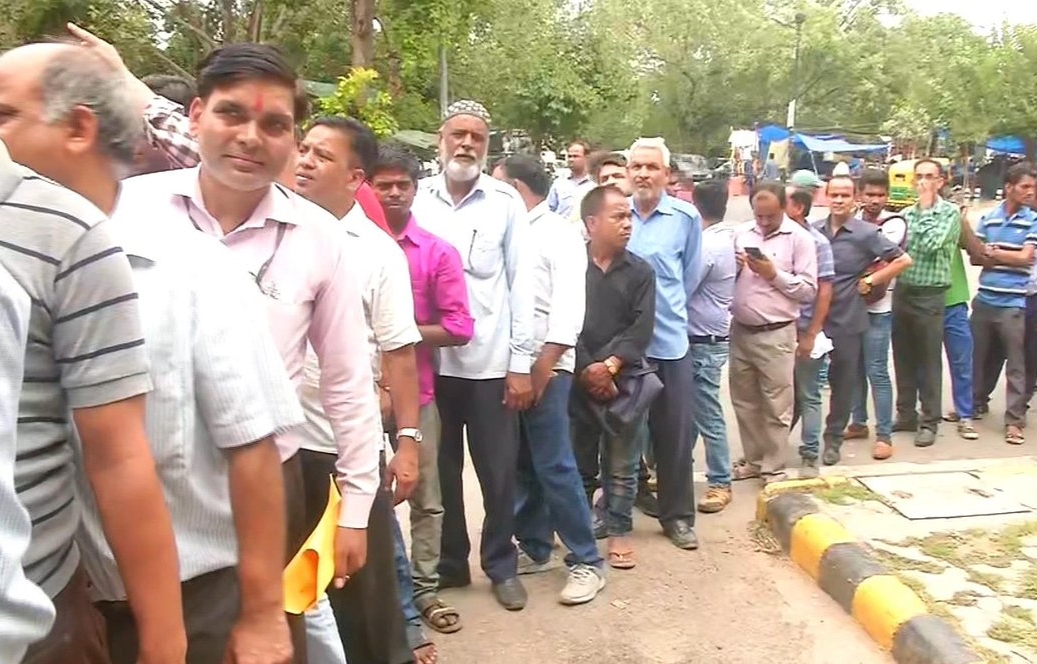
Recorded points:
(728, 603)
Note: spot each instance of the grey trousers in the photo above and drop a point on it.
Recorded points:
(1004, 328)
(844, 375)
(669, 423)
(917, 353)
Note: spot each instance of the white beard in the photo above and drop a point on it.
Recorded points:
(459, 172)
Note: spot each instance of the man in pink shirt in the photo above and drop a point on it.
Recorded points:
(244, 118)
(777, 274)
(443, 317)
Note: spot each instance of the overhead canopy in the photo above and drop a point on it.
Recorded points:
(1007, 145)
(822, 143)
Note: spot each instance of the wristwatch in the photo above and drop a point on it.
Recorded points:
(868, 280)
(409, 432)
(611, 366)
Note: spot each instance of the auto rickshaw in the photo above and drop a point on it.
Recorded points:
(902, 192)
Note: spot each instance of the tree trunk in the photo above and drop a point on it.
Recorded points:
(362, 13)
(1031, 148)
(255, 21)
(230, 20)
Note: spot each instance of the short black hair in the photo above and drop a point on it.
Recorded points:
(594, 201)
(247, 61)
(803, 199)
(1016, 172)
(874, 178)
(599, 160)
(529, 171)
(396, 159)
(361, 139)
(771, 187)
(929, 160)
(176, 89)
(710, 198)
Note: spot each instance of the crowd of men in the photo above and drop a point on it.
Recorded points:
(211, 321)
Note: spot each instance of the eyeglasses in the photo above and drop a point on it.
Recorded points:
(258, 275)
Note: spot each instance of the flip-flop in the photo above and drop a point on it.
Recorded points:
(743, 470)
(622, 560)
(1014, 438)
(435, 611)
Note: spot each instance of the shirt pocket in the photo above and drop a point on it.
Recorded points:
(485, 253)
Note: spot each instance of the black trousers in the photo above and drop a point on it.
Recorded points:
(493, 443)
(367, 610)
(844, 375)
(670, 420)
(211, 605)
(212, 601)
(917, 353)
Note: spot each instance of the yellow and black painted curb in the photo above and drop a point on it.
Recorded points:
(890, 612)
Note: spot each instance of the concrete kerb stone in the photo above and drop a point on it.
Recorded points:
(892, 614)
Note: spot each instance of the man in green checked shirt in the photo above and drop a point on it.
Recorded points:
(933, 230)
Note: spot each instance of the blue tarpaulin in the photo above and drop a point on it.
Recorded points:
(823, 143)
(1007, 145)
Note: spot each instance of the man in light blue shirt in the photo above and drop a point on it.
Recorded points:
(709, 327)
(668, 234)
(566, 193)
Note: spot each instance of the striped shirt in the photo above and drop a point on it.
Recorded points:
(85, 348)
(220, 384)
(1005, 286)
(25, 612)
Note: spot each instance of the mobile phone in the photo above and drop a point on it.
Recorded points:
(755, 253)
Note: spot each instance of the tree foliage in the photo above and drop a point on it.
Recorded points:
(360, 96)
(608, 70)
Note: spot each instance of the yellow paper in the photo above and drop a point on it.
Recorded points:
(310, 572)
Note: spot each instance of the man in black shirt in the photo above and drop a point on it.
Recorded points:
(617, 328)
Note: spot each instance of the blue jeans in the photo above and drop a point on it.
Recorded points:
(403, 576)
(957, 344)
(876, 372)
(620, 459)
(550, 496)
(807, 381)
(822, 376)
(708, 361)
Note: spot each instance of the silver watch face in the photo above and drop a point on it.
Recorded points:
(410, 433)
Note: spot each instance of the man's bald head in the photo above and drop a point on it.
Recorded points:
(59, 103)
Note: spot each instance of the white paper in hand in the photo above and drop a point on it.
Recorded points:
(822, 346)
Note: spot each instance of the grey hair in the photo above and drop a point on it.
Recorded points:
(76, 77)
(656, 143)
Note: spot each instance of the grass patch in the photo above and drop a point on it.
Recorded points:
(1019, 613)
(992, 581)
(964, 598)
(763, 539)
(987, 655)
(848, 493)
(1014, 632)
(1028, 583)
(978, 547)
(902, 563)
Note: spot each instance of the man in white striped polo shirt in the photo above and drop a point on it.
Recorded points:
(85, 353)
(25, 612)
(220, 392)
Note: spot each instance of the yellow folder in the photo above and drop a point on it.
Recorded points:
(310, 572)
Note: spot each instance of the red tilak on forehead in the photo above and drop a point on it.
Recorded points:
(258, 106)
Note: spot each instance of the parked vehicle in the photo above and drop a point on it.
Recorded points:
(693, 166)
(902, 191)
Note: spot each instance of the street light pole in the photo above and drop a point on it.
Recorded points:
(790, 120)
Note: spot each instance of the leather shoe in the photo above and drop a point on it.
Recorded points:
(647, 503)
(511, 594)
(682, 535)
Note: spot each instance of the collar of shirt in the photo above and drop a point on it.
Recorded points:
(580, 180)
(1001, 212)
(275, 206)
(355, 220)
(437, 185)
(665, 206)
(10, 178)
(412, 233)
(538, 212)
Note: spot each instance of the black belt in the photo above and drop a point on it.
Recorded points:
(769, 327)
(708, 339)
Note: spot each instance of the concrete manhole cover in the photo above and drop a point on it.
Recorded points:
(941, 495)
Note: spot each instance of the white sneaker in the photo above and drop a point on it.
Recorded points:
(527, 565)
(585, 582)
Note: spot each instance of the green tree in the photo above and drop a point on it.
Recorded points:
(360, 96)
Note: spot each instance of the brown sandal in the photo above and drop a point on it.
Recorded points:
(1014, 437)
(743, 470)
(622, 556)
(436, 613)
